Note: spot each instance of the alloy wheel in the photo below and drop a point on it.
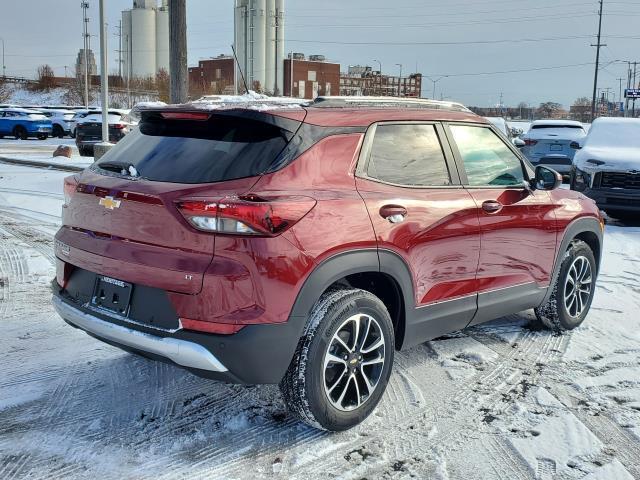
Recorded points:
(353, 362)
(578, 286)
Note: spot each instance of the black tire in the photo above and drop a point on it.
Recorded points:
(555, 314)
(42, 136)
(57, 131)
(20, 133)
(303, 386)
(83, 152)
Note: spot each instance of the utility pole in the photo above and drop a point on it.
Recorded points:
(178, 50)
(85, 36)
(104, 75)
(4, 67)
(400, 80)
(595, 79)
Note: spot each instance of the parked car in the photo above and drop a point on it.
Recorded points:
(304, 246)
(607, 167)
(548, 142)
(60, 120)
(80, 113)
(89, 130)
(511, 133)
(22, 124)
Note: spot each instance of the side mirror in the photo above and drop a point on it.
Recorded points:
(547, 178)
(518, 142)
(575, 145)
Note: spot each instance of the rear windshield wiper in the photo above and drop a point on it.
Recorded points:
(123, 168)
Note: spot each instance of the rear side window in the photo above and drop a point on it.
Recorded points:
(186, 151)
(408, 155)
(487, 160)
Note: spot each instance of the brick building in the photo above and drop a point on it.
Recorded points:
(212, 76)
(364, 81)
(312, 77)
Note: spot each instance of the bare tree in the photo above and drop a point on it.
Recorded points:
(549, 110)
(45, 78)
(5, 91)
(162, 85)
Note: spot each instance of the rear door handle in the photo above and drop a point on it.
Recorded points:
(491, 206)
(393, 213)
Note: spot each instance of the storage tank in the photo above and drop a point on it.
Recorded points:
(126, 43)
(280, 45)
(240, 41)
(270, 46)
(162, 39)
(143, 33)
(258, 37)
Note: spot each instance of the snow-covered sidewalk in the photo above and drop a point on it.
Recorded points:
(503, 400)
(40, 154)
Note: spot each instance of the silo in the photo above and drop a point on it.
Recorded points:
(257, 41)
(280, 46)
(143, 33)
(126, 43)
(270, 46)
(162, 39)
(240, 41)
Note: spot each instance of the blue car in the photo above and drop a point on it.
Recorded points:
(22, 124)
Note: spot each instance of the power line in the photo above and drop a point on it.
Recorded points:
(470, 42)
(447, 24)
(536, 69)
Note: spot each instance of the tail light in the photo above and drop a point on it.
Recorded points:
(118, 126)
(246, 215)
(70, 186)
(530, 143)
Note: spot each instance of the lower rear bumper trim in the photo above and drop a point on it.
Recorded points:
(184, 353)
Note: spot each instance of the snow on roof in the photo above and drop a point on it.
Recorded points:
(250, 100)
(615, 132)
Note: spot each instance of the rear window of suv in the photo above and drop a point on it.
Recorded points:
(190, 151)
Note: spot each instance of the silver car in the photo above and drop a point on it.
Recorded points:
(553, 143)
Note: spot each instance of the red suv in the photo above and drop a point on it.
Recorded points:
(305, 245)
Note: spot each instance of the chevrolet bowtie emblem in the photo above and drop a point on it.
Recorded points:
(109, 203)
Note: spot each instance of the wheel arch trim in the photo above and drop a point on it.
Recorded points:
(573, 230)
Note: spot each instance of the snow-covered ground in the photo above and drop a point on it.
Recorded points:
(41, 152)
(503, 400)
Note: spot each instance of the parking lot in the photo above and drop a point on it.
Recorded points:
(501, 400)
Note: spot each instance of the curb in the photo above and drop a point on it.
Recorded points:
(41, 164)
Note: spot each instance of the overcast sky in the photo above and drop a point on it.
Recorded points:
(439, 38)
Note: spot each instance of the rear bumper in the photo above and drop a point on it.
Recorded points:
(257, 354)
(183, 353)
(561, 164)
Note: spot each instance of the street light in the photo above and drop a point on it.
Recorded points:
(380, 72)
(399, 81)
(436, 80)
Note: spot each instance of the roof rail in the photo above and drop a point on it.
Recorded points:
(386, 102)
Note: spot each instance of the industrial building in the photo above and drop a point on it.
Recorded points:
(145, 39)
(91, 62)
(259, 43)
(363, 80)
(309, 78)
(213, 76)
